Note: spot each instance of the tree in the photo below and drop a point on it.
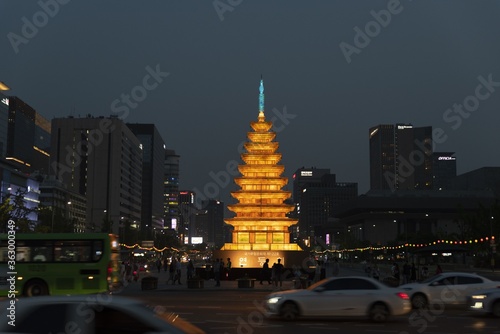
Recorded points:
(14, 207)
(5, 213)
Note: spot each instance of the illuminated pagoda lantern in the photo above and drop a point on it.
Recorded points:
(260, 222)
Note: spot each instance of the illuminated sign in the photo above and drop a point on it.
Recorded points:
(306, 173)
(402, 127)
(196, 240)
(447, 158)
(5, 101)
(173, 223)
(327, 239)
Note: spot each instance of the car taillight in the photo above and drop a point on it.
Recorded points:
(110, 270)
(403, 295)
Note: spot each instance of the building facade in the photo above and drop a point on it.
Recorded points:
(70, 206)
(382, 217)
(400, 157)
(101, 159)
(318, 196)
(4, 124)
(28, 137)
(444, 169)
(153, 153)
(171, 200)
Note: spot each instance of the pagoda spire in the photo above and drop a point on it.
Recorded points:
(261, 99)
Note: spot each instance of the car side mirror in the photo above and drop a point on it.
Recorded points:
(319, 289)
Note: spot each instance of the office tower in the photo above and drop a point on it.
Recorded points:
(101, 159)
(28, 137)
(400, 157)
(171, 192)
(4, 123)
(260, 222)
(318, 197)
(153, 157)
(186, 226)
(213, 226)
(305, 176)
(444, 168)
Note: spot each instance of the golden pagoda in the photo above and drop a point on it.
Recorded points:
(260, 223)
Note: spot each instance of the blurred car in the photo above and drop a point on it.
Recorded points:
(447, 288)
(96, 314)
(485, 301)
(340, 296)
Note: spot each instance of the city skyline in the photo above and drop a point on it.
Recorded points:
(193, 70)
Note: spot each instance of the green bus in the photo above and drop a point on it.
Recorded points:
(58, 264)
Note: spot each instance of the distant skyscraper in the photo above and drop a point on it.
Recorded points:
(21, 134)
(444, 168)
(4, 124)
(171, 191)
(28, 137)
(317, 195)
(153, 156)
(102, 159)
(212, 226)
(400, 157)
(187, 216)
(304, 177)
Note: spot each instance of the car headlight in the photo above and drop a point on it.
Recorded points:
(483, 296)
(273, 300)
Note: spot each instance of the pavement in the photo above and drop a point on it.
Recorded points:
(133, 288)
(347, 269)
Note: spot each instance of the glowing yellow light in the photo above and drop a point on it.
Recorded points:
(260, 221)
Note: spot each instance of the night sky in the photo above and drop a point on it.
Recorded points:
(331, 70)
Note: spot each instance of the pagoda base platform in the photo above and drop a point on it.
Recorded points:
(256, 258)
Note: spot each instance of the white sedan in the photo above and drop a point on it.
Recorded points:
(340, 296)
(485, 301)
(97, 314)
(446, 289)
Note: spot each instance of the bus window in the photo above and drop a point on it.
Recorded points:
(72, 251)
(96, 256)
(40, 251)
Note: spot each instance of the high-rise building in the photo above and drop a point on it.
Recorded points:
(41, 145)
(153, 156)
(213, 227)
(186, 225)
(171, 192)
(400, 157)
(304, 177)
(4, 123)
(318, 197)
(101, 159)
(28, 138)
(444, 168)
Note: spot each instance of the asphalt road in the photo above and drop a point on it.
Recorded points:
(227, 309)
